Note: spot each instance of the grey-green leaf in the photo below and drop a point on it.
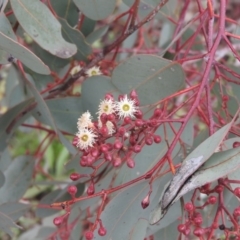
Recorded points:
(10, 47)
(65, 112)
(153, 77)
(38, 21)
(18, 177)
(66, 9)
(139, 230)
(2, 179)
(94, 90)
(96, 10)
(6, 223)
(193, 162)
(14, 209)
(75, 36)
(7, 124)
(219, 165)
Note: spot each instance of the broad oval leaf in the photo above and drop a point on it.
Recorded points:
(96, 10)
(146, 6)
(151, 76)
(18, 178)
(75, 36)
(94, 90)
(124, 210)
(9, 47)
(67, 10)
(139, 230)
(38, 21)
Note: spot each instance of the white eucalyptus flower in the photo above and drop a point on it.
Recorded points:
(86, 138)
(94, 71)
(126, 107)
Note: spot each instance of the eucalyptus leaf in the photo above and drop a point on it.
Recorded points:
(5, 160)
(14, 209)
(88, 26)
(42, 109)
(65, 112)
(67, 10)
(17, 179)
(98, 86)
(124, 210)
(14, 88)
(139, 230)
(6, 223)
(44, 113)
(2, 179)
(153, 77)
(193, 162)
(96, 10)
(9, 47)
(146, 6)
(92, 37)
(38, 21)
(219, 165)
(7, 123)
(76, 37)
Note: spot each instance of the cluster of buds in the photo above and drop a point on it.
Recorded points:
(119, 132)
(194, 220)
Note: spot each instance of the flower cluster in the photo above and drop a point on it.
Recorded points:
(118, 133)
(94, 71)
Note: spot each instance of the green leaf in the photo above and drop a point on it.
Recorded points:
(9, 46)
(45, 232)
(6, 28)
(48, 199)
(87, 26)
(41, 108)
(94, 90)
(14, 209)
(7, 124)
(124, 210)
(31, 233)
(18, 177)
(169, 232)
(151, 76)
(96, 10)
(45, 115)
(67, 10)
(14, 88)
(5, 160)
(38, 21)
(193, 162)
(219, 165)
(6, 223)
(146, 6)
(2, 179)
(65, 112)
(139, 230)
(92, 37)
(166, 33)
(76, 37)
(54, 63)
